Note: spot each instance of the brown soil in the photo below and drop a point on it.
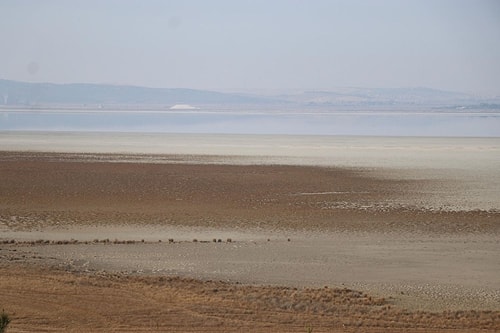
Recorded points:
(40, 190)
(57, 191)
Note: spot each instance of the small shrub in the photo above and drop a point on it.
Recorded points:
(4, 321)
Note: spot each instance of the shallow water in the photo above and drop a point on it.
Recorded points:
(290, 122)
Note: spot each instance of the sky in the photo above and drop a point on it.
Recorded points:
(254, 45)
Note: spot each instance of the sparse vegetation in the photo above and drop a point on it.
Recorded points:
(212, 305)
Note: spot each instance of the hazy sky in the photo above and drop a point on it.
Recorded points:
(254, 44)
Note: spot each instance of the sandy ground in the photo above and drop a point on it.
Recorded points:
(92, 235)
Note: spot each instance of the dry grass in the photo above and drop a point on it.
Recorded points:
(51, 300)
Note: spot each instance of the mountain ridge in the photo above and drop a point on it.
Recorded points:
(18, 93)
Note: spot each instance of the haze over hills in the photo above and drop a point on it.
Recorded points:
(24, 94)
(33, 94)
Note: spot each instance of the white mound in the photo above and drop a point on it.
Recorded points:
(183, 107)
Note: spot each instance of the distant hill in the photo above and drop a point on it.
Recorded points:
(381, 97)
(15, 93)
(33, 94)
